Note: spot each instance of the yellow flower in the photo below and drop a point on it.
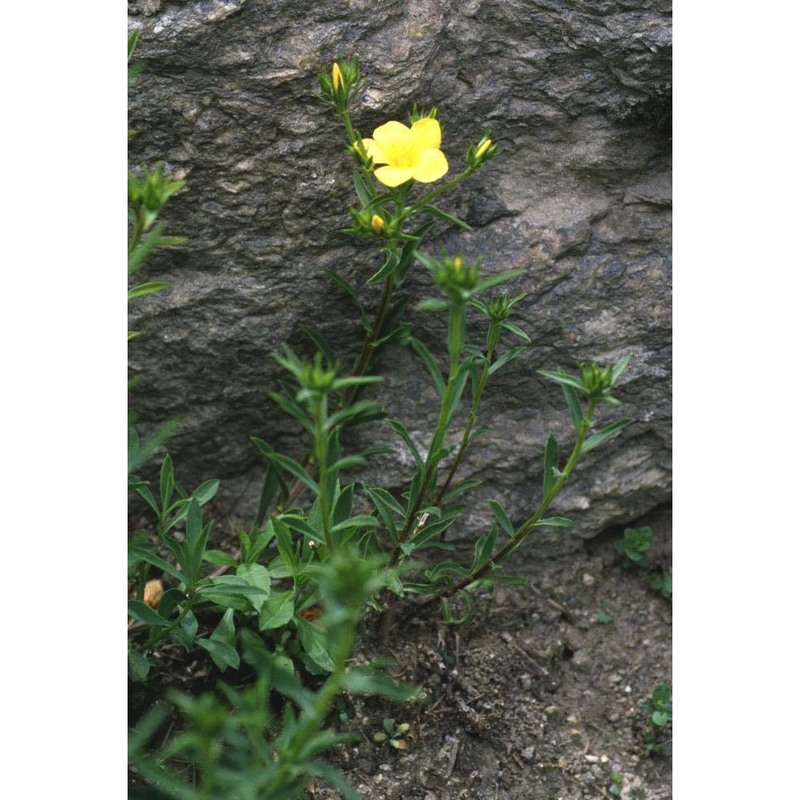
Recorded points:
(377, 224)
(336, 76)
(407, 152)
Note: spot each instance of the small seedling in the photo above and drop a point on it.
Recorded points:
(659, 707)
(635, 545)
(616, 783)
(661, 582)
(603, 617)
(394, 734)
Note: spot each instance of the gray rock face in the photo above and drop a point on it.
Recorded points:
(577, 92)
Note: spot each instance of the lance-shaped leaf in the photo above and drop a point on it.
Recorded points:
(432, 367)
(140, 553)
(607, 432)
(295, 468)
(550, 464)
(410, 250)
(554, 522)
(350, 289)
(143, 613)
(501, 516)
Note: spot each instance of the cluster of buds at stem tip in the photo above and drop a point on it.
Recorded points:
(337, 85)
(479, 154)
(455, 277)
(597, 382)
(499, 309)
(370, 224)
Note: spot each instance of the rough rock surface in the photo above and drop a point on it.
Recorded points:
(578, 94)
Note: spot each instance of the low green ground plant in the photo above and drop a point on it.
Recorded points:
(658, 733)
(325, 550)
(635, 549)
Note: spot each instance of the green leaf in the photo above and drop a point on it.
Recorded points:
(143, 613)
(501, 516)
(432, 367)
(554, 522)
(432, 304)
(315, 643)
(133, 39)
(205, 491)
(222, 654)
(138, 665)
(496, 280)
(364, 680)
(618, 368)
(143, 289)
(550, 464)
(401, 431)
(433, 211)
(258, 576)
(606, 433)
(573, 404)
(660, 718)
(358, 521)
(388, 508)
(170, 600)
(484, 548)
(141, 553)
(458, 388)
(166, 481)
(219, 558)
(506, 358)
(195, 542)
(563, 379)
(460, 488)
(410, 250)
(389, 266)
(295, 468)
(516, 330)
(224, 634)
(277, 611)
(320, 342)
(290, 407)
(231, 585)
(350, 289)
(364, 191)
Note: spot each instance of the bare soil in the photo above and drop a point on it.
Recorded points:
(539, 697)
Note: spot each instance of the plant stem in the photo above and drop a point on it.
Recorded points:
(439, 190)
(367, 348)
(162, 633)
(321, 457)
(492, 338)
(527, 526)
(455, 346)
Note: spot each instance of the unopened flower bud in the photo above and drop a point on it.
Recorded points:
(458, 262)
(377, 224)
(483, 148)
(336, 76)
(153, 592)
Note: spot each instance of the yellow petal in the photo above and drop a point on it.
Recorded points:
(432, 165)
(394, 176)
(394, 140)
(426, 133)
(374, 151)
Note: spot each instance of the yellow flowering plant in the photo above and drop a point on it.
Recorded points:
(323, 551)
